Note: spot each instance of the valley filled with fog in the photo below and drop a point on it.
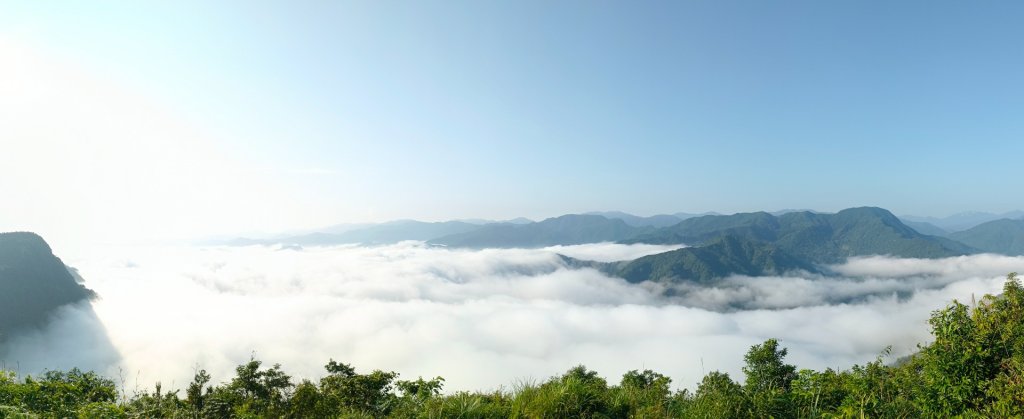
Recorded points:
(482, 319)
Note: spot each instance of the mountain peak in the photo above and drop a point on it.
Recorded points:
(33, 282)
(868, 211)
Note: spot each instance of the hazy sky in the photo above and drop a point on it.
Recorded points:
(172, 119)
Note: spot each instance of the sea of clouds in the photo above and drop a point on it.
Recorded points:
(482, 319)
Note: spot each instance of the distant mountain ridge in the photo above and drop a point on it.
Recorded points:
(964, 220)
(763, 244)
(926, 228)
(386, 233)
(1003, 236)
(757, 243)
(823, 238)
(565, 230)
(399, 230)
(660, 220)
(33, 282)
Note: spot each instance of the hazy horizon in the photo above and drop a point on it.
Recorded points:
(69, 247)
(166, 150)
(159, 122)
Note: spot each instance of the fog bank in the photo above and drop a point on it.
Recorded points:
(487, 318)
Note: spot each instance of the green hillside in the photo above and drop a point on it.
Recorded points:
(813, 237)
(999, 236)
(726, 255)
(697, 230)
(33, 282)
(860, 232)
(763, 244)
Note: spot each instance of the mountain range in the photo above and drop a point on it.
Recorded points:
(723, 256)
(34, 282)
(564, 230)
(385, 233)
(757, 243)
(660, 220)
(760, 243)
(962, 221)
(815, 237)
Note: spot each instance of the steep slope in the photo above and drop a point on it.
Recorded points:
(33, 282)
(564, 230)
(723, 257)
(867, 231)
(999, 236)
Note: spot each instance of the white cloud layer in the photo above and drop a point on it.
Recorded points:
(487, 318)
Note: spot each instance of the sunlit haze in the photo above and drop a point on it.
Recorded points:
(594, 209)
(185, 119)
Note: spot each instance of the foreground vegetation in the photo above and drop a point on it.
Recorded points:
(974, 368)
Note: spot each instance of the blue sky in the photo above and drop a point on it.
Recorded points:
(365, 111)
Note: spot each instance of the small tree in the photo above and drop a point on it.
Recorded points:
(769, 378)
(194, 392)
(718, 396)
(370, 393)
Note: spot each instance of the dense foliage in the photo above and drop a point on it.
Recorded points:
(725, 256)
(974, 368)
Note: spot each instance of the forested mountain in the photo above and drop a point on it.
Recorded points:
(813, 237)
(660, 220)
(564, 230)
(698, 230)
(33, 282)
(999, 236)
(805, 234)
(760, 243)
(724, 256)
(757, 243)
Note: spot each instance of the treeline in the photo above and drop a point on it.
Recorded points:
(974, 368)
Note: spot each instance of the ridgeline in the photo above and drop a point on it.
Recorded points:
(33, 283)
